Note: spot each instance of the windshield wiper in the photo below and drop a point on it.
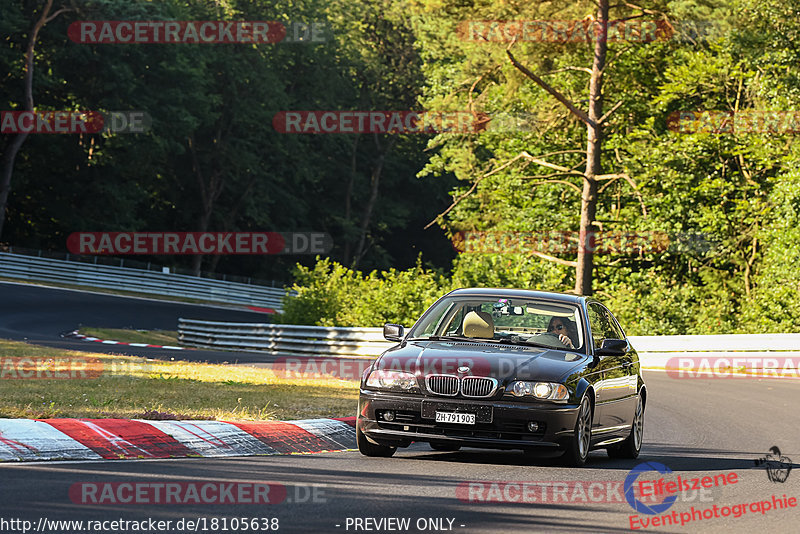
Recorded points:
(460, 338)
(523, 342)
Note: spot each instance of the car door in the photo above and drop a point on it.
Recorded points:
(614, 404)
(629, 361)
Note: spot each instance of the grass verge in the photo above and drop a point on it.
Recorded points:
(153, 337)
(129, 387)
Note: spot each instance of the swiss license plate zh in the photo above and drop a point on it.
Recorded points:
(455, 417)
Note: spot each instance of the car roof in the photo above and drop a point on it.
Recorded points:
(517, 293)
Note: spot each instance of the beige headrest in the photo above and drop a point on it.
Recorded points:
(479, 324)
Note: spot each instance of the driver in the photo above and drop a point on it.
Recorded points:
(561, 328)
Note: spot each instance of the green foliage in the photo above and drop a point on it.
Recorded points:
(213, 160)
(330, 294)
(774, 303)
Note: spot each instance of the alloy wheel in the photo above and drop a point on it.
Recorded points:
(584, 427)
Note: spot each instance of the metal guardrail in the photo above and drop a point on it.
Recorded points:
(284, 339)
(128, 263)
(658, 352)
(140, 281)
(654, 351)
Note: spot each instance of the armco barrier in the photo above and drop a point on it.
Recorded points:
(654, 351)
(284, 339)
(137, 280)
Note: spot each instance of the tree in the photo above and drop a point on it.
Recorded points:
(13, 147)
(594, 121)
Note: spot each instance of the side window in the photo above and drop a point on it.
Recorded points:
(618, 333)
(434, 322)
(453, 328)
(601, 324)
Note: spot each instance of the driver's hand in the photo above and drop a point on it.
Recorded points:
(565, 340)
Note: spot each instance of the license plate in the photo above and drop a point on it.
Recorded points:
(454, 417)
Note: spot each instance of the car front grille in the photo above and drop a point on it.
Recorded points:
(442, 384)
(469, 386)
(476, 386)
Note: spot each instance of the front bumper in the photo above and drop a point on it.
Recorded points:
(500, 423)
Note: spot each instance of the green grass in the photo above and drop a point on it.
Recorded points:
(129, 387)
(153, 337)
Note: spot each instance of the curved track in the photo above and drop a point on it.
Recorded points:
(696, 427)
(39, 314)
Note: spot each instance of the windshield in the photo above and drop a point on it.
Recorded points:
(502, 320)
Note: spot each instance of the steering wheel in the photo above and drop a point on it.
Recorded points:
(554, 335)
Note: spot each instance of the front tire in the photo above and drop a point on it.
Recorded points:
(629, 449)
(367, 448)
(578, 448)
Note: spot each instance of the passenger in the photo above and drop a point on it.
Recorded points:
(562, 328)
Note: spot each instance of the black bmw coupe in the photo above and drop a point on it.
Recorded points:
(506, 369)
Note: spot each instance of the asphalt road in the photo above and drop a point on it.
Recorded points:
(695, 427)
(38, 314)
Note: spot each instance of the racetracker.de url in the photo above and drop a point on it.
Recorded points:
(184, 524)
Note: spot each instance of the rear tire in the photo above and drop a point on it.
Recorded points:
(440, 446)
(578, 448)
(629, 449)
(367, 448)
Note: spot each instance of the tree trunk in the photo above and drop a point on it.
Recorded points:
(377, 170)
(197, 259)
(594, 145)
(10, 153)
(209, 193)
(8, 169)
(348, 198)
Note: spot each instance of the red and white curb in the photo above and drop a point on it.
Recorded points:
(126, 439)
(75, 335)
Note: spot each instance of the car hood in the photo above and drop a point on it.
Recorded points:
(503, 362)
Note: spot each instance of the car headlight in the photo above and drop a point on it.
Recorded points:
(540, 390)
(520, 389)
(385, 379)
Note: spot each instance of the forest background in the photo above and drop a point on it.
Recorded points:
(212, 160)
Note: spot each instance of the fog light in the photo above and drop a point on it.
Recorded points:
(388, 416)
(533, 426)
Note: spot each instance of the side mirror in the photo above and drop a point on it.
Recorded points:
(612, 347)
(393, 332)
